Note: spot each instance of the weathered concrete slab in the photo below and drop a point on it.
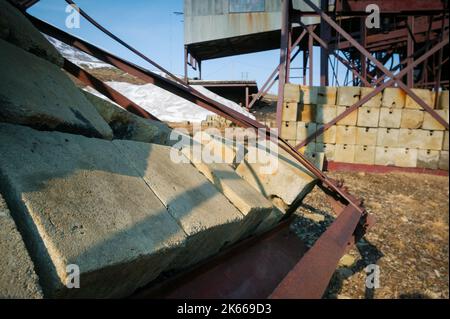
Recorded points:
(326, 95)
(18, 279)
(412, 119)
(368, 116)
(365, 154)
(443, 160)
(38, 94)
(348, 95)
(390, 137)
(289, 111)
(276, 174)
(386, 156)
(289, 130)
(127, 126)
(428, 159)
(346, 134)
(206, 216)
(393, 98)
(424, 94)
(429, 122)
(373, 102)
(366, 135)
(308, 94)
(390, 117)
(412, 138)
(446, 141)
(344, 153)
(306, 113)
(443, 102)
(328, 137)
(304, 130)
(81, 203)
(406, 157)
(291, 93)
(350, 119)
(327, 149)
(254, 207)
(325, 113)
(433, 140)
(18, 30)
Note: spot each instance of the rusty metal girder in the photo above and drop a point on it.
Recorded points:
(409, 7)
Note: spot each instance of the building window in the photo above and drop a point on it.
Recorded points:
(240, 6)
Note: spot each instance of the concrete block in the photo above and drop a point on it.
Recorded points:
(18, 30)
(36, 93)
(424, 94)
(428, 159)
(386, 156)
(317, 158)
(254, 207)
(328, 137)
(308, 94)
(325, 113)
(127, 126)
(109, 223)
(304, 130)
(406, 157)
(389, 137)
(289, 111)
(326, 95)
(429, 122)
(348, 95)
(350, 119)
(344, 153)
(393, 98)
(412, 138)
(368, 116)
(289, 130)
(276, 174)
(443, 102)
(445, 143)
(306, 113)
(443, 160)
(346, 135)
(207, 217)
(291, 93)
(365, 154)
(412, 119)
(215, 147)
(328, 149)
(18, 279)
(366, 136)
(433, 140)
(390, 117)
(373, 102)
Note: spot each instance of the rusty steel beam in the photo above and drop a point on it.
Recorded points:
(106, 90)
(377, 90)
(377, 63)
(266, 87)
(310, 277)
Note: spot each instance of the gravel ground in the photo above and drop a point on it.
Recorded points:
(409, 241)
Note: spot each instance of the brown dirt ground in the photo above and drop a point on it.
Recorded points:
(409, 240)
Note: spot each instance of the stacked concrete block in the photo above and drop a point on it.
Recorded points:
(412, 119)
(348, 95)
(389, 129)
(373, 102)
(390, 117)
(430, 123)
(368, 116)
(424, 94)
(393, 98)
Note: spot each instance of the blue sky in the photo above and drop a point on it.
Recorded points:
(152, 27)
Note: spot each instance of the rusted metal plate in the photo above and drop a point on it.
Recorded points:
(250, 270)
(310, 277)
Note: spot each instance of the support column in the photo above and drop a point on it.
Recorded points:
(186, 63)
(325, 34)
(285, 26)
(311, 59)
(410, 52)
(363, 32)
